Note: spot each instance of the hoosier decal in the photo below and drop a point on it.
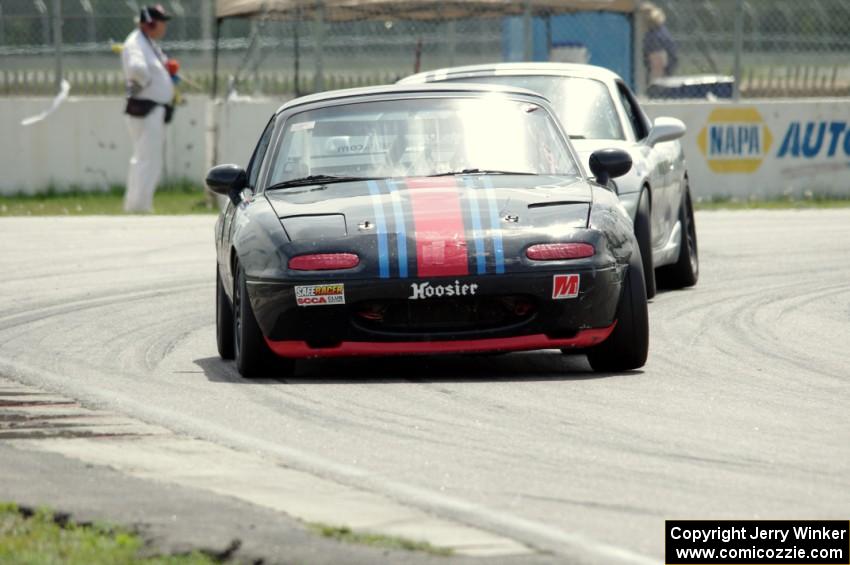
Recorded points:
(320, 294)
(565, 286)
(427, 290)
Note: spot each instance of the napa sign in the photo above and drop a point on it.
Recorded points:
(766, 148)
(735, 140)
(738, 140)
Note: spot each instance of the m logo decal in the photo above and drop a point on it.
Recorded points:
(565, 286)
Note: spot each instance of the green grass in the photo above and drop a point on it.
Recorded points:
(40, 539)
(345, 534)
(179, 198)
(808, 200)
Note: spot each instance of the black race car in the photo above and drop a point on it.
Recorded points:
(423, 219)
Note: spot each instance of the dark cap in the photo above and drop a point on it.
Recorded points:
(153, 13)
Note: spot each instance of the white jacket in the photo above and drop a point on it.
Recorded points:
(144, 64)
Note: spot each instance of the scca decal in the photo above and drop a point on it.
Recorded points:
(565, 286)
(320, 294)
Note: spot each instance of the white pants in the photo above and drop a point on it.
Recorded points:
(148, 135)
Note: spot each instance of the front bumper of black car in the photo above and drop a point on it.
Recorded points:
(335, 317)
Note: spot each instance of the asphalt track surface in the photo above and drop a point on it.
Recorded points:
(741, 411)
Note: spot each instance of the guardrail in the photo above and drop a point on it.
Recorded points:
(784, 82)
(104, 83)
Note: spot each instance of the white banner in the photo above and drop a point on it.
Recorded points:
(760, 149)
(764, 148)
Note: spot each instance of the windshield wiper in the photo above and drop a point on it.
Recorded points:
(480, 172)
(318, 179)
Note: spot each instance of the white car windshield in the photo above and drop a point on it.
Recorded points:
(583, 105)
(422, 137)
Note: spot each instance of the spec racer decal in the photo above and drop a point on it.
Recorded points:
(320, 294)
(565, 286)
(422, 290)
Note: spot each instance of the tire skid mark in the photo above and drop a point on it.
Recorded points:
(64, 307)
(753, 334)
(642, 511)
(739, 312)
(63, 433)
(166, 343)
(102, 294)
(743, 326)
(32, 403)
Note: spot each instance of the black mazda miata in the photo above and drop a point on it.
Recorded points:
(424, 219)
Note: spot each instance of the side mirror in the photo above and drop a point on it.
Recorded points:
(227, 180)
(607, 164)
(665, 129)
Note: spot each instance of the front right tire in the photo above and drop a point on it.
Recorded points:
(223, 319)
(684, 272)
(254, 358)
(628, 345)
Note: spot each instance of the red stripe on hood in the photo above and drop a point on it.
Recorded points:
(438, 227)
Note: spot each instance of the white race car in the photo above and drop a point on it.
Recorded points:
(598, 110)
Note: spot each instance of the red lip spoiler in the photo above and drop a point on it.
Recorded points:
(300, 349)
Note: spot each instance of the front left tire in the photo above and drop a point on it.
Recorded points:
(628, 345)
(254, 358)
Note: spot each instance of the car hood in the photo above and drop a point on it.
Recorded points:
(425, 201)
(439, 225)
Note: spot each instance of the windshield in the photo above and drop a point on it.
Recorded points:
(583, 105)
(422, 137)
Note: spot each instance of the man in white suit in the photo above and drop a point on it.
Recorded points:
(150, 94)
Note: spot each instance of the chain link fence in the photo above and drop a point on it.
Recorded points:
(786, 48)
(779, 47)
(347, 54)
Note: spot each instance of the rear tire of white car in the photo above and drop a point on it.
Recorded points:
(684, 272)
(628, 345)
(254, 358)
(223, 319)
(643, 233)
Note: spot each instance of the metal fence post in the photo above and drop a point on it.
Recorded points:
(296, 50)
(214, 89)
(41, 7)
(57, 40)
(91, 26)
(451, 42)
(206, 23)
(318, 46)
(638, 65)
(739, 46)
(527, 31)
